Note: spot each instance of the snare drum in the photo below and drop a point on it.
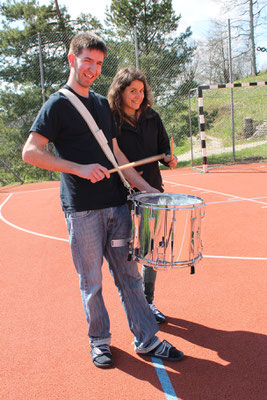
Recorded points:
(166, 230)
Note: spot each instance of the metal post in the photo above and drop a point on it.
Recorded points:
(231, 89)
(41, 66)
(190, 126)
(42, 83)
(136, 48)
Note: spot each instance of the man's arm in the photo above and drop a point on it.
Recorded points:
(35, 153)
(130, 173)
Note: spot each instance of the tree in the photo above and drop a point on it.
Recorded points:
(212, 56)
(163, 53)
(19, 44)
(27, 28)
(151, 18)
(250, 16)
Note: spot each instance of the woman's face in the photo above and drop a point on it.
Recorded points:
(132, 97)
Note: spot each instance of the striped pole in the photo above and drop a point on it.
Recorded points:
(201, 111)
(202, 129)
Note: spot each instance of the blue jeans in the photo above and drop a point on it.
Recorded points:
(102, 233)
(149, 278)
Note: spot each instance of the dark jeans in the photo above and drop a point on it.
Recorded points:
(149, 278)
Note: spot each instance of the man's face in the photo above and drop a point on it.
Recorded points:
(87, 66)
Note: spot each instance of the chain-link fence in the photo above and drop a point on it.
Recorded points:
(40, 67)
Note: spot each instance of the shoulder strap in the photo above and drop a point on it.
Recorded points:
(98, 133)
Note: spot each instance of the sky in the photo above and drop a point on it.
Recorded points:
(194, 13)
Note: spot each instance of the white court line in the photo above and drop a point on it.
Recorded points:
(66, 240)
(25, 230)
(158, 364)
(237, 258)
(164, 379)
(189, 173)
(4, 202)
(34, 191)
(235, 200)
(221, 193)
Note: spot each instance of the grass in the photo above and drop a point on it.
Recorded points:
(248, 102)
(184, 148)
(254, 154)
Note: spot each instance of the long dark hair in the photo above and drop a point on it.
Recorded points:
(122, 79)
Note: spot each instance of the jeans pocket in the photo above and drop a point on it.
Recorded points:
(78, 214)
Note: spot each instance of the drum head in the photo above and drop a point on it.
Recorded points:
(168, 200)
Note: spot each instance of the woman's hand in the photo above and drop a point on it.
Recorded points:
(171, 163)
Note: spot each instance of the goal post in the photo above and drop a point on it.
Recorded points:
(221, 110)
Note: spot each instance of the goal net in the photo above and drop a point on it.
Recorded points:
(232, 124)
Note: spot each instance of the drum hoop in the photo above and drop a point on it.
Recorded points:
(167, 264)
(145, 204)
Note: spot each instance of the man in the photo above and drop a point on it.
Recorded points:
(94, 203)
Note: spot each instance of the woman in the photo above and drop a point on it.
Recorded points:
(141, 135)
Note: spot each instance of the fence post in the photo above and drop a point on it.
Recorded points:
(231, 90)
(190, 126)
(136, 48)
(41, 66)
(42, 84)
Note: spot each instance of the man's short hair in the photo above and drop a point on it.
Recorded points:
(87, 40)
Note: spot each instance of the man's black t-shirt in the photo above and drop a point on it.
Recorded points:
(60, 122)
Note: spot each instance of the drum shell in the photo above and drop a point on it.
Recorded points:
(166, 229)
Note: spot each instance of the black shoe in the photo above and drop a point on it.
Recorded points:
(101, 356)
(157, 314)
(164, 351)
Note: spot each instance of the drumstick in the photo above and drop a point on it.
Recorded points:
(139, 162)
(171, 148)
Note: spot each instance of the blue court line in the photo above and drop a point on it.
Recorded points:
(164, 379)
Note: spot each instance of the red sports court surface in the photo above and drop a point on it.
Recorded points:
(217, 317)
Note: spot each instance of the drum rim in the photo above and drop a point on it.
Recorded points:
(198, 204)
(167, 264)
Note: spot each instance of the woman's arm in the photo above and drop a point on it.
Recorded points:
(130, 173)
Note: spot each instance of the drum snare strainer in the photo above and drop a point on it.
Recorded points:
(166, 230)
